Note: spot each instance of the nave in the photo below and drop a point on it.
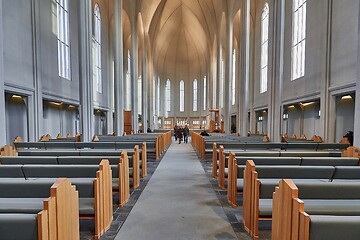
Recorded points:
(177, 203)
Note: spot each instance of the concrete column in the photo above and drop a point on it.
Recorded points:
(144, 104)
(218, 74)
(228, 74)
(211, 80)
(2, 90)
(326, 131)
(85, 71)
(276, 80)
(134, 70)
(35, 115)
(118, 69)
(357, 94)
(245, 68)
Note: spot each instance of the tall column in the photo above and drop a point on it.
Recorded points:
(118, 69)
(151, 95)
(245, 68)
(144, 98)
(218, 74)
(2, 90)
(276, 80)
(134, 71)
(85, 71)
(357, 94)
(326, 110)
(228, 73)
(212, 79)
(35, 116)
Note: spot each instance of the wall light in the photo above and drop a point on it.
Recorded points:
(307, 104)
(285, 116)
(346, 97)
(16, 96)
(260, 118)
(55, 103)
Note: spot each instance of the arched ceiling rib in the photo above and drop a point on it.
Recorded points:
(181, 33)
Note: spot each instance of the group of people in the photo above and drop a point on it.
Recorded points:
(180, 132)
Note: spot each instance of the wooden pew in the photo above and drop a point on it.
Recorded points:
(93, 183)
(59, 218)
(316, 210)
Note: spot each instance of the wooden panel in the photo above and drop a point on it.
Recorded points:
(42, 221)
(221, 177)
(136, 167)
(144, 160)
(249, 168)
(127, 122)
(232, 180)
(214, 161)
(50, 207)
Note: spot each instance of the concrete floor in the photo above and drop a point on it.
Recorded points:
(177, 203)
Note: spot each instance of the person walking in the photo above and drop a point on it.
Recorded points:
(179, 134)
(186, 133)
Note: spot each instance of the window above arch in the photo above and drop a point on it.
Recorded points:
(195, 95)
(264, 49)
(168, 95)
(298, 39)
(182, 96)
(63, 38)
(97, 49)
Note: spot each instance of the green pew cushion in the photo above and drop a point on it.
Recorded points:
(11, 171)
(21, 205)
(334, 227)
(29, 160)
(10, 226)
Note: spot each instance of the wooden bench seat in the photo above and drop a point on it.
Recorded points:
(260, 181)
(93, 182)
(44, 223)
(316, 210)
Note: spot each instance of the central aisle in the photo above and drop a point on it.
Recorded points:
(177, 203)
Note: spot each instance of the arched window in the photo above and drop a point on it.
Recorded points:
(221, 95)
(63, 37)
(158, 97)
(168, 95)
(154, 95)
(195, 95)
(128, 83)
(264, 48)
(182, 96)
(97, 48)
(298, 39)
(233, 79)
(204, 100)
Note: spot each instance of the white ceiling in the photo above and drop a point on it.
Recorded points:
(181, 33)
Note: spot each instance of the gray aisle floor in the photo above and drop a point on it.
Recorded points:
(177, 203)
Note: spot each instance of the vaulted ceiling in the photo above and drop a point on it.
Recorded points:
(180, 33)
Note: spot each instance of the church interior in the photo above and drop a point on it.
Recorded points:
(179, 119)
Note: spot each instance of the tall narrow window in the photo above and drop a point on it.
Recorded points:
(154, 95)
(195, 95)
(97, 49)
(63, 38)
(298, 39)
(264, 48)
(128, 83)
(205, 88)
(233, 80)
(158, 97)
(182, 96)
(139, 95)
(221, 95)
(168, 99)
